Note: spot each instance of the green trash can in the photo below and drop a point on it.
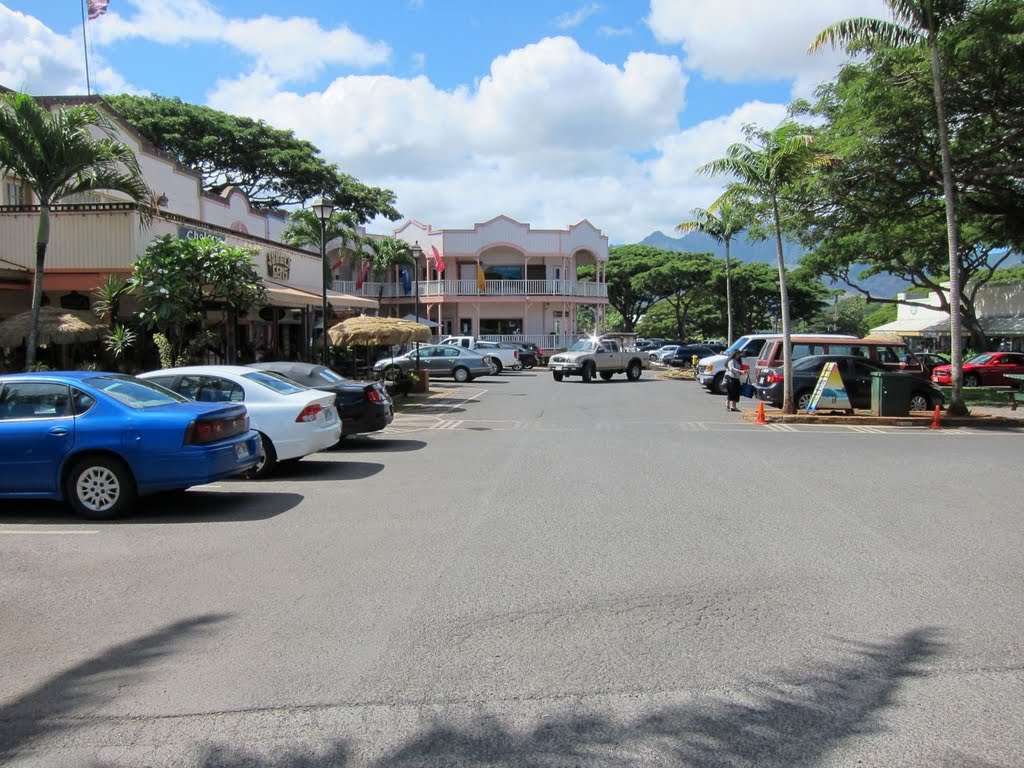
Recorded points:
(890, 394)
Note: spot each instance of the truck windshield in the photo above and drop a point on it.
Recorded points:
(582, 346)
(738, 344)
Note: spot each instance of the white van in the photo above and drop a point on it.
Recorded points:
(711, 370)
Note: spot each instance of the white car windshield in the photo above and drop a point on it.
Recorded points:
(582, 346)
(274, 382)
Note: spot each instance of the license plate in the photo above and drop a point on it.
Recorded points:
(242, 450)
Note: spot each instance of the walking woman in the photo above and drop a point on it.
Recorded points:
(733, 372)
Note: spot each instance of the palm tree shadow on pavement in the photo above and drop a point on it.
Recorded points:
(58, 703)
(793, 720)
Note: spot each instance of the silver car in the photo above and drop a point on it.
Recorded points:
(438, 360)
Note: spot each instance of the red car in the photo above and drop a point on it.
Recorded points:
(984, 370)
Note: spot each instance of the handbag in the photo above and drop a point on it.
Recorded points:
(747, 390)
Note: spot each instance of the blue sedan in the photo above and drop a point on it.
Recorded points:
(100, 440)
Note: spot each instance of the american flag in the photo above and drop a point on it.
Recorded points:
(96, 8)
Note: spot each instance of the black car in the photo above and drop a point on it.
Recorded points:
(856, 375)
(533, 349)
(364, 406)
(683, 357)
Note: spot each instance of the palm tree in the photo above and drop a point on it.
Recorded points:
(303, 229)
(915, 21)
(386, 253)
(722, 229)
(55, 155)
(763, 168)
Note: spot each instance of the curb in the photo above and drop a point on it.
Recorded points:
(983, 421)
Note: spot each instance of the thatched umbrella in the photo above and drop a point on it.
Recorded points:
(377, 330)
(56, 326)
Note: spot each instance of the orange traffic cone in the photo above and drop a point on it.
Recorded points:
(937, 418)
(760, 412)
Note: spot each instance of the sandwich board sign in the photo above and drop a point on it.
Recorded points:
(829, 391)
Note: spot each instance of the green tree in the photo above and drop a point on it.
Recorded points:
(106, 298)
(722, 223)
(917, 22)
(272, 166)
(764, 167)
(882, 204)
(56, 156)
(178, 281)
(304, 229)
(846, 314)
(627, 296)
(106, 303)
(682, 280)
(386, 253)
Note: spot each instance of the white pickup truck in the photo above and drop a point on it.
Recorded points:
(503, 355)
(593, 357)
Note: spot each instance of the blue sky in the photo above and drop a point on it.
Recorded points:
(546, 111)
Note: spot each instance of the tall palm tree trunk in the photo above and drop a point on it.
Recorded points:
(956, 404)
(728, 294)
(788, 406)
(42, 240)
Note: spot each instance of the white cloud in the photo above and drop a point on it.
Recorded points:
(607, 31)
(743, 40)
(287, 49)
(577, 17)
(548, 137)
(551, 134)
(42, 62)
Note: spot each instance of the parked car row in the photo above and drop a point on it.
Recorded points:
(101, 440)
(856, 373)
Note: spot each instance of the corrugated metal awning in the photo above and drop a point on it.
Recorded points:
(913, 326)
(1010, 325)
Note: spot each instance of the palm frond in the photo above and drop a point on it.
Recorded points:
(864, 30)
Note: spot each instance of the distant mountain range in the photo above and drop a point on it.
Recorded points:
(764, 252)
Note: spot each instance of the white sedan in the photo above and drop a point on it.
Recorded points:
(658, 355)
(293, 420)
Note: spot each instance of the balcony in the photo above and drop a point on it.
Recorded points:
(469, 288)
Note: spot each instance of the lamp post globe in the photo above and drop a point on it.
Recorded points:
(323, 209)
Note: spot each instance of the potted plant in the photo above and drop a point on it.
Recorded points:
(419, 381)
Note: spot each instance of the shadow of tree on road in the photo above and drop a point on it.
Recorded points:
(789, 721)
(53, 706)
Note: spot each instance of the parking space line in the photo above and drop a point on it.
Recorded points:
(46, 533)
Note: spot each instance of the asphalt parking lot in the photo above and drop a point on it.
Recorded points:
(528, 573)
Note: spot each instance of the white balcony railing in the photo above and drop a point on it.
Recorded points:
(509, 288)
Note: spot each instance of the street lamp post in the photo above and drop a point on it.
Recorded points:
(323, 209)
(416, 253)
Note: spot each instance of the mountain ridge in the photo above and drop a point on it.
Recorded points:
(763, 252)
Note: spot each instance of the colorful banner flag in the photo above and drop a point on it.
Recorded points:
(406, 281)
(96, 8)
(480, 278)
(438, 260)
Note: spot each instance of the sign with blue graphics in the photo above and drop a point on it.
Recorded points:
(829, 391)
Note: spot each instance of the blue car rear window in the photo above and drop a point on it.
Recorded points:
(135, 393)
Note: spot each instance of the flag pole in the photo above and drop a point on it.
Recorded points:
(85, 50)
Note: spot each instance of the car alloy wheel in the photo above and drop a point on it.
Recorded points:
(101, 487)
